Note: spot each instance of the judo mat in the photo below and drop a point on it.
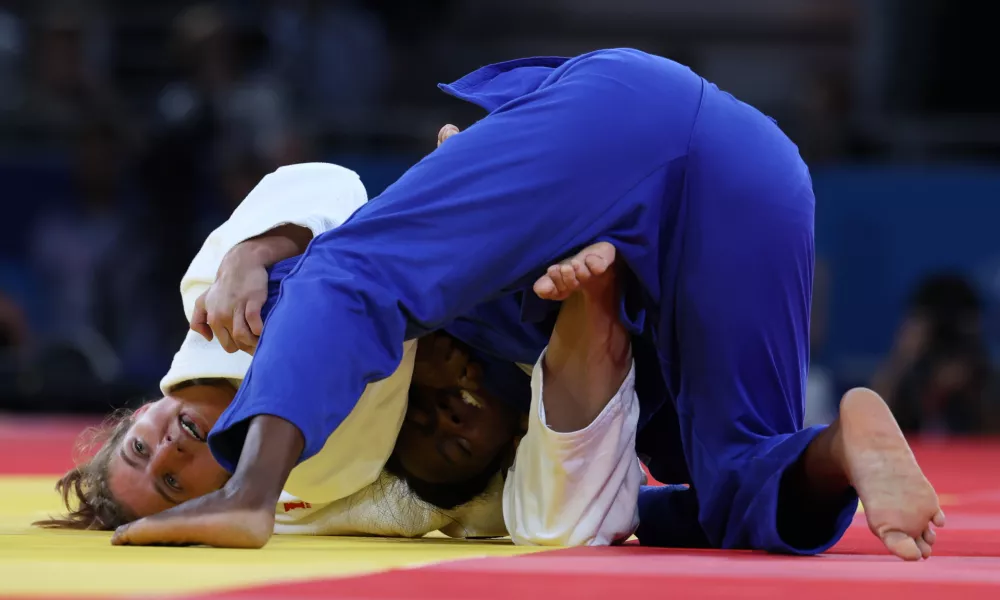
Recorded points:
(83, 565)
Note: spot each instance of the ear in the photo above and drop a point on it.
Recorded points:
(142, 409)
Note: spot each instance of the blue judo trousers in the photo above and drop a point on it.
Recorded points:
(709, 205)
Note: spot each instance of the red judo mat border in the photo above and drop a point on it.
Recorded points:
(40, 445)
(966, 561)
(536, 577)
(602, 573)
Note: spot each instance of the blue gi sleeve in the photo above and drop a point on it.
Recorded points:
(545, 173)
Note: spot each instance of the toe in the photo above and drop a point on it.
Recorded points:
(544, 288)
(924, 547)
(596, 263)
(930, 536)
(939, 518)
(902, 545)
(556, 276)
(569, 277)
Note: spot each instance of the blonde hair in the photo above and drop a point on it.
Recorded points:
(84, 489)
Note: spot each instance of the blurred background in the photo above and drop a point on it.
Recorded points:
(129, 130)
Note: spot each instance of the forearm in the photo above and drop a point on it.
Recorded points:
(272, 448)
(273, 246)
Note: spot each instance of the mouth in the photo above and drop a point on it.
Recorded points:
(465, 446)
(191, 428)
(470, 399)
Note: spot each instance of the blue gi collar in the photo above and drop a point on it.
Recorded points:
(492, 86)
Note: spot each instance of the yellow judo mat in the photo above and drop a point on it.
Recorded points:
(84, 564)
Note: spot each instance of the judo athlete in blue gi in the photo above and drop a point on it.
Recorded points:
(711, 210)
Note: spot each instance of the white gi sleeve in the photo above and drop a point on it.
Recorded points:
(317, 196)
(387, 507)
(383, 508)
(579, 488)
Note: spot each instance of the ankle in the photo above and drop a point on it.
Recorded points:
(824, 465)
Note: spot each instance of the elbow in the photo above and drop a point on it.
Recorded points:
(320, 184)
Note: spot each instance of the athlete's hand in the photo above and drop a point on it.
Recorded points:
(446, 132)
(230, 309)
(222, 519)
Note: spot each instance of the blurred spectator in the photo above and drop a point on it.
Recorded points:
(90, 254)
(823, 130)
(218, 92)
(334, 54)
(241, 172)
(218, 106)
(13, 325)
(70, 61)
(13, 344)
(11, 59)
(938, 373)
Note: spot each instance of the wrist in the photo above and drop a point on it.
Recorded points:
(261, 474)
(273, 246)
(256, 251)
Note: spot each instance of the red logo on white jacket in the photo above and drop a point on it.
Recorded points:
(290, 506)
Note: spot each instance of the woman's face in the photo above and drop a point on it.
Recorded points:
(163, 459)
(453, 430)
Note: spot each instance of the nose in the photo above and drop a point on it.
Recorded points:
(169, 455)
(448, 419)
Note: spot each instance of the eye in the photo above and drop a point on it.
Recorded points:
(139, 447)
(171, 482)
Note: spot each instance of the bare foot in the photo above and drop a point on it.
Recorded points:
(560, 281)
(221, 519)
(900, 504)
